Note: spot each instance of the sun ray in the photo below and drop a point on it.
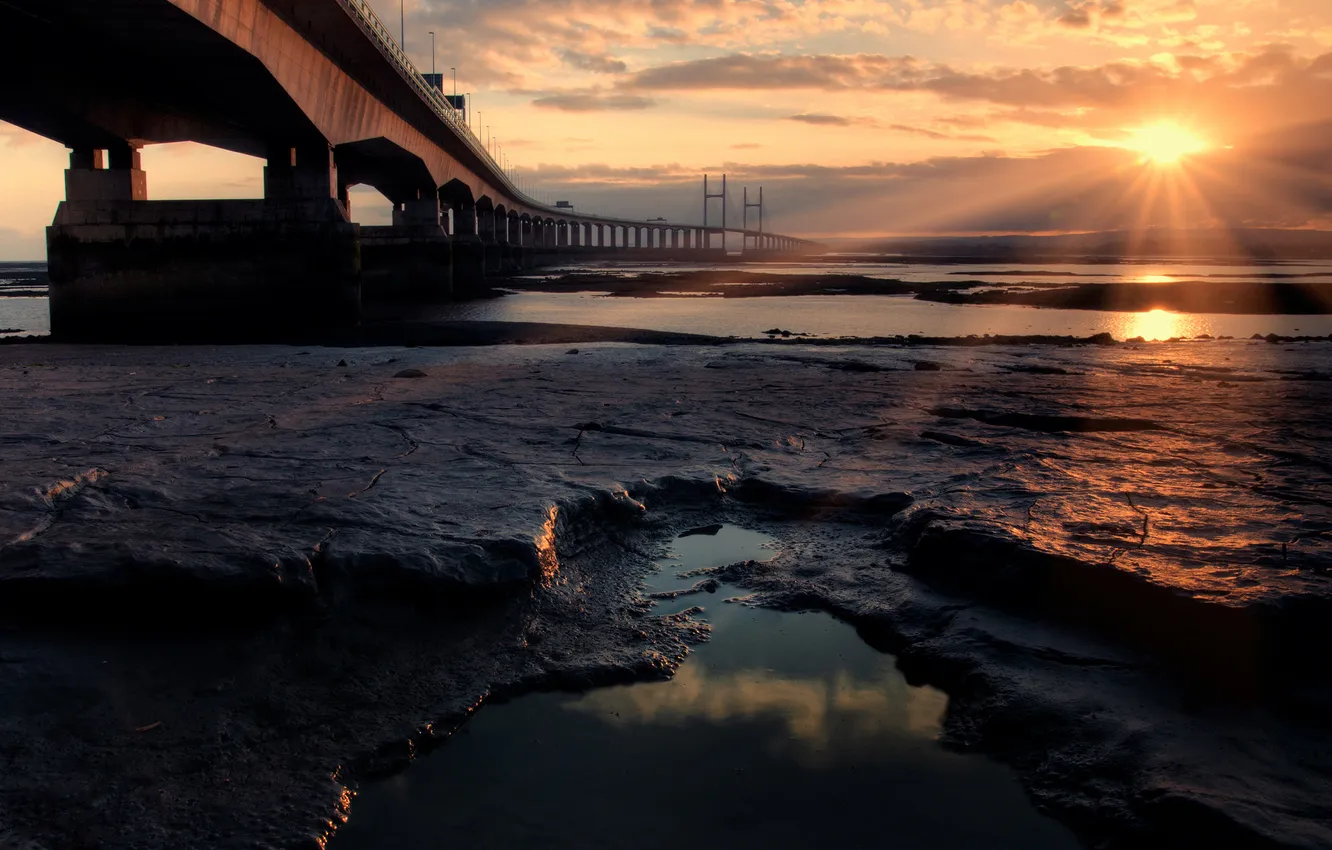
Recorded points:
(1165, 142)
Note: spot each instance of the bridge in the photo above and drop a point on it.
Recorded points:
(324, 94)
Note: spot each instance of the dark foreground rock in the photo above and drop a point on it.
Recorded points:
(235, 582)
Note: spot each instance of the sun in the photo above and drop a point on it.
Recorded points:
(1165, 143)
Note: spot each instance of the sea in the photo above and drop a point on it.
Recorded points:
(1198, 473)
(23, 303)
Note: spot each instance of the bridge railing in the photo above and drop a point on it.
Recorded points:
(374, 28)
(361, 11)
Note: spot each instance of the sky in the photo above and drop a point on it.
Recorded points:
(858, 117)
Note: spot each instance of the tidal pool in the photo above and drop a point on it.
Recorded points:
(785, 731)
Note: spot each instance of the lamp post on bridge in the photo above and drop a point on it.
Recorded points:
(402, 19)
(432, 55)
(455, 83)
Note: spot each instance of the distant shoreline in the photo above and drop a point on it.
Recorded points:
(469, 333)
(1222, 296)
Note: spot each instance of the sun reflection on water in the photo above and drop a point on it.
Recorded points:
(818, 713)
(1160, 325)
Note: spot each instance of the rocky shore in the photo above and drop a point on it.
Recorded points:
(236, 582)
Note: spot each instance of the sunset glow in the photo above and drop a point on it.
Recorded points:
(1166, 143)
(858, 117)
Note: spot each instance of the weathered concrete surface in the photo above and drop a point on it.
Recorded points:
(200, 270)
(411, 263)
(469, 265)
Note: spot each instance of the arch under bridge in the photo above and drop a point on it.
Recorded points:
(321, 91)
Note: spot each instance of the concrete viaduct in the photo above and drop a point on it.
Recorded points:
(320, 90)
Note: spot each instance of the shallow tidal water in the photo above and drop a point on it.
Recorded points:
(864, 316)
(784, 731)
(861, 316)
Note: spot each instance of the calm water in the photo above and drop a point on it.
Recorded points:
(785, 731)
(1146, 271)
(866, 316)
(834, 315)
(22, 307)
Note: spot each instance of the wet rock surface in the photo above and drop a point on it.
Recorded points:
(232, 582)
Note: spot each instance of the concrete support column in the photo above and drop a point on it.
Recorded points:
(510, 232)
(488, 224)
(422, 212)
(469, 252)
(411, 261)
(124, 268)
(115, 175)
(300, 175)
(344, 198)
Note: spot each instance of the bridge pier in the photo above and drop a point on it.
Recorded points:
(123, 267)
(412, 260)
(469, 252)
(487, 223)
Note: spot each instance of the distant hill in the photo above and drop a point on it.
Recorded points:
(1252, 244)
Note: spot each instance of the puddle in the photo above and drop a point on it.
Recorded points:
(785, 731)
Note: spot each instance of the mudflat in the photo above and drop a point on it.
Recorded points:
(237, 582)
